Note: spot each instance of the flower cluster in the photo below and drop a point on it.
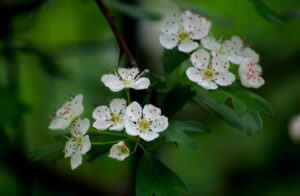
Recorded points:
(68, 116)
(143, 122)
(211, 58)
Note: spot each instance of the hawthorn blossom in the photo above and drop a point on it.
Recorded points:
(145, 122)
(294, 128)
(79, 143)
(119, 151)
(67, 113)
(111, 117)
(209, 73)
(183, 32)
(251, 74)
(126, 78)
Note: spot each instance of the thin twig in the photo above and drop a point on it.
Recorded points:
(122, 44)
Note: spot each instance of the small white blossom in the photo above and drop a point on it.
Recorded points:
(67, 113)
(125, 78)
(79, 143)
(251, 74)
(119, 151)
(145, 123)
(183, 32)
(111, 117)
(209, 73)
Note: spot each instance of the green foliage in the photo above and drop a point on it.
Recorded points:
(155, 178)
(268, 13)
(10, 106)
(176, 99)
(175, 133)
(240, 108)
(51, 153)
(134, 11)
(172, 59)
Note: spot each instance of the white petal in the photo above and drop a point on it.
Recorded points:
(117, 106)
(112, 82)
(201, 28)
(160, 124)
(59, 123)
(117, 127)
(235, 43)
(76, 160)
(250, 74)
(151, 112)
(79, 127)
(187, 46)
(148, 135)
(250, 53)
(210, 43)
(86, 144)
(131, 128)
(101, 125)
(70, 148)
(128, 74)
(236, 59)
(193, 74)
(225, 78)
(119, 151)
(140, 84)
(170, 27)
(102, 113)
(134, 111)
(200, 58)
(220, 63)
(76, 105)
(168, 41)
(207, 84)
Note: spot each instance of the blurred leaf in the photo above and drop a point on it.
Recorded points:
(175, 133)
(51, 153)
(134, 11)
(47, 62)
(10, 106)
(156, 81)
(243, 116)
(4, 143)
(155, 178)
(98, 151)
(176, 99)
(172, 59)
(268, 13)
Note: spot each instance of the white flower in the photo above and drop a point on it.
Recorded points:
(145, 123)
(67, 113)
(79, 144)
(209, 74)
(111, 117)
(125, 78)
(250, 74)
(119, 151)
(183, 32)
(248, 52)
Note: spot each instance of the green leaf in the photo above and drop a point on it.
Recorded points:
(51, 153)
(268, 13)
(175, 133)
(155, 178)
(11, 107)
(172, 59)
(245, 114)
(176, 99)
(134, 11)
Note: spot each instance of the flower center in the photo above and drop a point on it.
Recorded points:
(184, 36)
(208, 74)
(143, 125)
(116, 119)
(126, 82)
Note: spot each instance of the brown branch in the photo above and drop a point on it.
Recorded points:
(122, 44)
